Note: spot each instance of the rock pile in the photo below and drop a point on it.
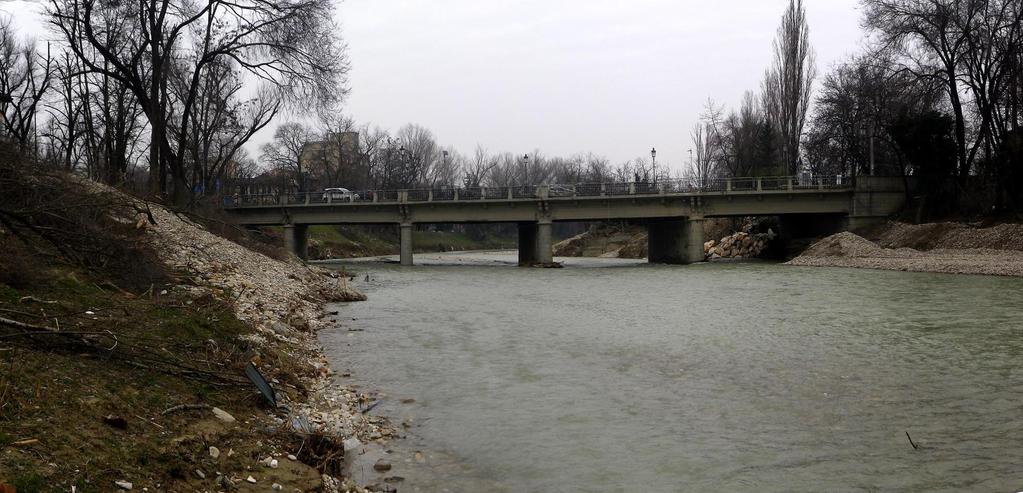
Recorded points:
(738, 245)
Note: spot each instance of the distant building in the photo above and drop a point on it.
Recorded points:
(335, 162)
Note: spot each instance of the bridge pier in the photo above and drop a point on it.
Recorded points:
(296, 240)
(535, 243)
(675, 241)
(544, 247)
(405, 239)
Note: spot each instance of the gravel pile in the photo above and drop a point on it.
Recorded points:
(952, 236)
(951, 249)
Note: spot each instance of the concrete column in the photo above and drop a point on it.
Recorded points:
(527, 243)
(406, 243)
(296, 240)
(694, 239)
(544, 254)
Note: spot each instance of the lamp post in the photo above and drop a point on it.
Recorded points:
(653, 158)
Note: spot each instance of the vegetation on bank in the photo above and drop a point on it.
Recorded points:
(112, 359)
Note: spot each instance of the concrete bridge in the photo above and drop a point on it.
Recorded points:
(673, 211)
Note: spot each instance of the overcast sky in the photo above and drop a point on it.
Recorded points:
(563, 76)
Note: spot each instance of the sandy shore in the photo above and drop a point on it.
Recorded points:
(950, 248)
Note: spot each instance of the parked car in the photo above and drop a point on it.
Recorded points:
(561, 191)
(343, 194)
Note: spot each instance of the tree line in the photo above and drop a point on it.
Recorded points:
(164, 95)
(935, 96)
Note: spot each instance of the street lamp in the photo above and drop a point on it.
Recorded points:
(653, 157)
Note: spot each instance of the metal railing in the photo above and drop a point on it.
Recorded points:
(551, 191)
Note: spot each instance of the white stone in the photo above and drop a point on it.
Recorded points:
(214, 452)
(251, 479)
(124, 485)
(223, 415)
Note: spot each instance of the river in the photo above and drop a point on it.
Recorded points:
(614, 376)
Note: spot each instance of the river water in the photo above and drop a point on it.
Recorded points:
(613, 375)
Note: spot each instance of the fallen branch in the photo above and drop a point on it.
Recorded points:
(185, 407)
(915, 446)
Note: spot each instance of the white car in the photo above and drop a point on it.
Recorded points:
(332, 194)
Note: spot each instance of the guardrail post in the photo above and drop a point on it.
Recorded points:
(632, 188)
(456, 194)
(728, 184)
(544, 191)
(307, 198)
(760, 184)
(403, 196)
(790, 184)
(283, 198)
(510, 193)
(820, 183)
(483, 193)
(603, 190)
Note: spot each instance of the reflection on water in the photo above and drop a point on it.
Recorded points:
(711, 377)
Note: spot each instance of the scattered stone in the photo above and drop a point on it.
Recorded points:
(214, 452)
(408, 401)
(251, 479)
(200, 474)
(274, 464)
(292, 457)
(124, 485)
(394, 479)
(351, 443)
(382, 466)
(276, 487)
(419, 457)
(223, 415)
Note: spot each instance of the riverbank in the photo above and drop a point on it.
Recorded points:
(328, 242)
(952, 248)
(122, 367)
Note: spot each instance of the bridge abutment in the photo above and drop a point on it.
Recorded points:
(405, 239)
(296, 240)
(678, 241)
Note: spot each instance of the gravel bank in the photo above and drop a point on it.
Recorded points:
(940, 247)
(282, 301)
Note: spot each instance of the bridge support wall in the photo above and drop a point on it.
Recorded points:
(405, 236)
(527, 243)
(296, 240)
(675, 242)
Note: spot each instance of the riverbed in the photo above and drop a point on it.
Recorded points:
(614, 375)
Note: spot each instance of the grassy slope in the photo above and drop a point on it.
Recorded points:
(59, 394)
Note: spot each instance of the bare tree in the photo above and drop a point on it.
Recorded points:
(477, 169)
(284, 152)
(787, 84)
(291, 47)
(25, 76)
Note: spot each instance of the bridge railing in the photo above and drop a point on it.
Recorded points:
(552, 191)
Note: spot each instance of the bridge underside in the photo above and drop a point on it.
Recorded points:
(674, 221)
